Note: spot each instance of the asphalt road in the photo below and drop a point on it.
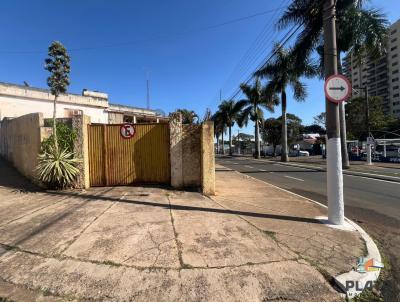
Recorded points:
(374, 204)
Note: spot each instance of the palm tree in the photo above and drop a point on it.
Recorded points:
(251, 108)
(219, 129)
(361, 31)
(228, 113)
(283, 72)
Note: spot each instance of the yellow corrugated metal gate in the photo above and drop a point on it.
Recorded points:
(118, 158)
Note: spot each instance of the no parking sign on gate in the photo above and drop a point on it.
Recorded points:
(127, 131)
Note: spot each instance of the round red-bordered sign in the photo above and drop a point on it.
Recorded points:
(337, 88)
(127, 131)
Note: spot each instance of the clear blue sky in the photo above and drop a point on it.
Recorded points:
(113, 43)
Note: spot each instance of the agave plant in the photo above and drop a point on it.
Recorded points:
(57, 168)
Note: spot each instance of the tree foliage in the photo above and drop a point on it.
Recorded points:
(58, 64)
(188, 116)
(356, 116)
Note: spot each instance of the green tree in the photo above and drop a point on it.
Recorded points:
(219, 130)
(58, 64)
(251, 108)
(272, 130)
(228, 113)
(357, 126)
(284, 72)
(188, 116)
(320, 119)
(359, 30)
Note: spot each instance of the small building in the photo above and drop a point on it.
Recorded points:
(17, 100)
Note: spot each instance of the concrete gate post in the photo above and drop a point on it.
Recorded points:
(207, 158)
(81, 149)
(176, 149)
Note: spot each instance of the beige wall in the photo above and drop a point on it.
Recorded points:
(20, 140)
(207, 158)
(81, 149)
(192, 155)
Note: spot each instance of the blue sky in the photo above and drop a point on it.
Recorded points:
(114, 43)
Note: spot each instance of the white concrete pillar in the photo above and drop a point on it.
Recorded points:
(335, 181)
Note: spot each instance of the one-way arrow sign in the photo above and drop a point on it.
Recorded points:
(337, 88)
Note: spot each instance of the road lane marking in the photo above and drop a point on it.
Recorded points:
(294, 178)
(370, 178)
(247, 166)
(262, 170)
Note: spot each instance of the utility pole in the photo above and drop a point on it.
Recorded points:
(369, 151)
(334, 157)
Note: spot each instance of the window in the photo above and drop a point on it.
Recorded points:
(393, 48)
(393, 31)
(396, 95)
(395, 87)
(393, 40)
(394, 56)
(395, 63)
(395, 71)
(395, 80)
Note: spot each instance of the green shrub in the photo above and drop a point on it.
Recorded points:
(65, 138)
(57, 170)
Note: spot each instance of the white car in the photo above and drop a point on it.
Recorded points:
(304, 153)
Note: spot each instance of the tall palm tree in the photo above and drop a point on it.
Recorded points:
(361, 31)
(283, 72)
(251, 108)
(219, 130)
(228, 113)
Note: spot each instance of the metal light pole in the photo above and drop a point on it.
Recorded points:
(334, 157)
(369, 151)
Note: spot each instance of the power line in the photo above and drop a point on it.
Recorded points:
(158, 37)
(256, 50)
(282, 43)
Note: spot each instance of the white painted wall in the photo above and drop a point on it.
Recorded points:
(16, 106)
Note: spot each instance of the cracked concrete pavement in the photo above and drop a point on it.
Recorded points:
(251, 242)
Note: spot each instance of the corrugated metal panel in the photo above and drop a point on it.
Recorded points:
(96, 155)
(141, 159)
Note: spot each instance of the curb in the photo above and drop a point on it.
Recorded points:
(346, 172)
(360, 280)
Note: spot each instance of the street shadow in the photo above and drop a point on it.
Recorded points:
(188, 208)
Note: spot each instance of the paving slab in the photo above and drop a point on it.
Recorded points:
(135, 230)
(213, 237)
(283, 281)
(291, 220)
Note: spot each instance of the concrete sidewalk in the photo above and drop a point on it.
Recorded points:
(251, 242)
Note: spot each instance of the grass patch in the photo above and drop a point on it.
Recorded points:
(270, 234)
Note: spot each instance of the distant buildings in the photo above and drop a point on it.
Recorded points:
(17, 100)
(380, 76)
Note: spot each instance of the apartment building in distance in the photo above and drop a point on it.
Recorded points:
(382, 76)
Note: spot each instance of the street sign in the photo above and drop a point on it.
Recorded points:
(370, 140)
(127, 131)
(337, 88)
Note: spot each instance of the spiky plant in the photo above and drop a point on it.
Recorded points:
(57, 169)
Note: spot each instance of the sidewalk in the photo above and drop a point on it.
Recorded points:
(251, 242)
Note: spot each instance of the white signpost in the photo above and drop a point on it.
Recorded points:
(337, 88)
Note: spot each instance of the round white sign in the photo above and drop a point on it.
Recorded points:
(337, 88)
(127, 131)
